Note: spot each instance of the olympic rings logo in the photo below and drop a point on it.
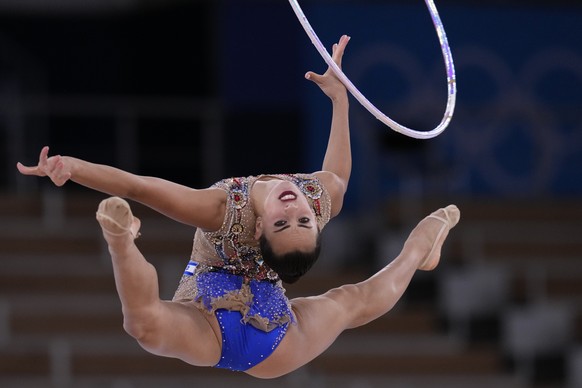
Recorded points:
(508, 129)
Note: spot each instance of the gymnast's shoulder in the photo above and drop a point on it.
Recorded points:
(335, 186)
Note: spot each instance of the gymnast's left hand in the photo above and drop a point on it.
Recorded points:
(329, 83)
(55, 167)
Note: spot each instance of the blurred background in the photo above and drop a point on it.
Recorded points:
(194, 91)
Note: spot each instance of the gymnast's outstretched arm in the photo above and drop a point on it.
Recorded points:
(202, 208)
(337, 163)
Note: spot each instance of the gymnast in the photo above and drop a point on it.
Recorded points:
(252, 235)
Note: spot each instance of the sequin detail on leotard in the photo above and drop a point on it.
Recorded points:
(229, 269)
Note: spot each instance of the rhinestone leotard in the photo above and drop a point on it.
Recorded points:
(227, 270)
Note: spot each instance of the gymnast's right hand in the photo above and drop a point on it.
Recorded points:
(55, 167)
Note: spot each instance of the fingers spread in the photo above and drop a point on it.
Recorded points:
(24, 169)
(42, 160)
(313, 77)
(338, 49)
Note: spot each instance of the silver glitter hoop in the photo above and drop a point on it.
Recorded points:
(450, 69)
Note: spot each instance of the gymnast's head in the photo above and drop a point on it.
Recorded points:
(288, 234)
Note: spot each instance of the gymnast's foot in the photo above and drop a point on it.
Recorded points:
(431, 233)
(116, 220)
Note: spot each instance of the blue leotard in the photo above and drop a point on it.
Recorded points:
(226, 275)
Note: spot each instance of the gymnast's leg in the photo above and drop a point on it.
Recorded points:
(322, 318)
(161, 327)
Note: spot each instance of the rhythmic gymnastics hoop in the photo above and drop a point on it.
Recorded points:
(450, 68)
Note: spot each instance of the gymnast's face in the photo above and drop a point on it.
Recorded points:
(288, 222)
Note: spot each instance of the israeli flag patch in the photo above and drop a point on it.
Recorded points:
(189, 271)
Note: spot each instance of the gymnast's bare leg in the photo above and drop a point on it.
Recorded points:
(161, 327)
(320, 319)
